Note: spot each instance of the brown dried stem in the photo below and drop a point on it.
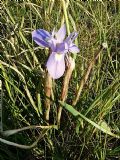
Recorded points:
(85, 77)
(48, 88)
(65, 87)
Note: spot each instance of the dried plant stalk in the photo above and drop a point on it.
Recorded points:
(85, 77)
(48, 88)
(66, 81)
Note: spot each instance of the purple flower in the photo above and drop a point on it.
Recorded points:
(59, 48)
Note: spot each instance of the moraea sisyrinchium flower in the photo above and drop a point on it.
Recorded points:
(59, 46)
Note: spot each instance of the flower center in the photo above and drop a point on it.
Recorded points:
(58, 56)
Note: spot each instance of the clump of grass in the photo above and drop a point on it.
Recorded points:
(22, 71)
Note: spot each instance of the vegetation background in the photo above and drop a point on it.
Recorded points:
(22, 63)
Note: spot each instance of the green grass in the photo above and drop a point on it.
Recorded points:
(88, 131)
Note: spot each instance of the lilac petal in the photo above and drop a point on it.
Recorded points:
(52, 45)
(61, 48)
(41, 37)
(40, 42)
(75, 34)
(53, 32)
(68, 38)
(60, 35)
(73, 49)
(43, 34)
(56, 65)
(71, 37)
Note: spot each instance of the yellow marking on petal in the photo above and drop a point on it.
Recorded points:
(58, 56)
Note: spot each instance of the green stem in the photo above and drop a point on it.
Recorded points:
(65, 14)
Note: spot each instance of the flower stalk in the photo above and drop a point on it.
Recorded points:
(48, 89)
(65, 87)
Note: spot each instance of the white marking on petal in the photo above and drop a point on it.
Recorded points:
(58, 56)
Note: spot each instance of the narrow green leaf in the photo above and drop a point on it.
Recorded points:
(76, 113)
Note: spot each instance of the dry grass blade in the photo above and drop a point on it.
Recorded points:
(85, 77)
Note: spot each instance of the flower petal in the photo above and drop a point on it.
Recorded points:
(71, 37)
(41, 37)
(56, 65)
(75, 34)
(60, 35)
(61, 48)
(43, 34)
(73, 49)
(53, 32)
